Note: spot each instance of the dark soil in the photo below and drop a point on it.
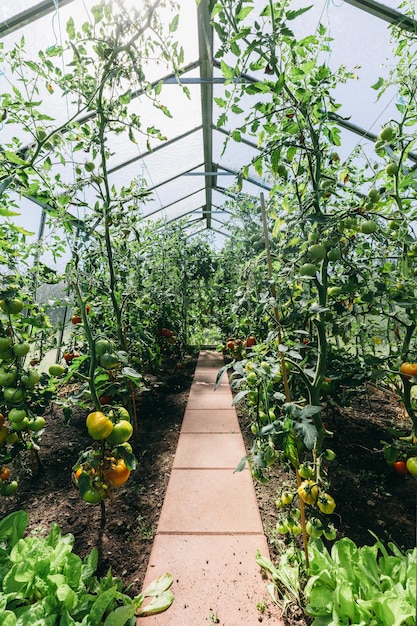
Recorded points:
(369, 495)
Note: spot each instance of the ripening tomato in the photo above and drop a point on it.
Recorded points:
(326, 503)
(230, 345)
(70, 356)
(286, 497)
(308, 491)
(117, 474)
(76, 319)
(4, 473)
(250, 341)
(408, 369)
(98, 425)
(4, 431)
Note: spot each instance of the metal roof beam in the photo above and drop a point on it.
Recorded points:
(388, 14)
(205, 45)
(29, 15)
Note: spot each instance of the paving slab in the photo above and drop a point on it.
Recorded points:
(210, 400)
(207, 386)
(210, 501)
(210, 421)
(208, 450)
(211, 578)
(209, 374)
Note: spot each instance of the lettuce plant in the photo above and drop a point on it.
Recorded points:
(43, 583)
(348, 585)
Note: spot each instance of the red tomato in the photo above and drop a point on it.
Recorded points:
(401, 468)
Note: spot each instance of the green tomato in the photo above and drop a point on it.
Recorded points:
(314, 528)
(266, 367)
(8, 376)
(109, 360)
(317, 252)
(21, 349)
(287, 497)
(308, 269)
(295, 529)
(5, 343)
(37, 424)
(103, 346)
(19, 426)
(306, 470)
(334, 292)
(56, 370)
(386, 134)
(373, 195)
(412, 465)
(12, 306)
(126, 447)
(368, 227)
(92, 496)
(282, 529)
(330, 533)
(334, 254)
(391, 169)
(252, 379)
(122, 431)
(329, 454)
(30, 378)
(17, 415)
(8, 489)
(13, 395)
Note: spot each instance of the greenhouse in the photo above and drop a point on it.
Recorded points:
(208, 312)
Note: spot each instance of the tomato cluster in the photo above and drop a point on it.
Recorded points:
(237, 347)
(24, 393)
(320, 505)
(108, 463)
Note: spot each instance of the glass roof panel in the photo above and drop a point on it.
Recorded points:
(356, 38)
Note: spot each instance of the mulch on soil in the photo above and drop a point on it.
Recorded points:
(369, 495)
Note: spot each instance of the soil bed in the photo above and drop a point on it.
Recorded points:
(369, 495)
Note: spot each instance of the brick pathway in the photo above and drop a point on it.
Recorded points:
(210, 527)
